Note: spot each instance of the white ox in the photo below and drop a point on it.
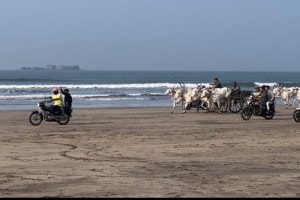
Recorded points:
(286, 94)
(176, 95)
(184, 96)
(215, 95)
(296, 97)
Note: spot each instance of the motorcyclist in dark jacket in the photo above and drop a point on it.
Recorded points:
(264, 98)
(67, 99)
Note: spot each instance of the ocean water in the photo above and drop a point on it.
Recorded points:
(23, 89)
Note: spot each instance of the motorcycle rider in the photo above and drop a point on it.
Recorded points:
(57, 99)
(264, 98)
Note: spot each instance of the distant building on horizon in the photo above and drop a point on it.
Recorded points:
(62, 67)
(53, 67)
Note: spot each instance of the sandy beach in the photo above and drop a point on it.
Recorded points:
(149, 152)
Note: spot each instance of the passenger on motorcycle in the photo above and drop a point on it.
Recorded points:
(67, 99)
(271, 97)
(57, 99)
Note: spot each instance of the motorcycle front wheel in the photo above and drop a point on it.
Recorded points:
(246, 113)
(35, 118)
(296, 115)
(63, 119)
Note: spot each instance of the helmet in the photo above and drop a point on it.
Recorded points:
(54, 89)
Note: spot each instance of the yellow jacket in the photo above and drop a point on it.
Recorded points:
(57, 98)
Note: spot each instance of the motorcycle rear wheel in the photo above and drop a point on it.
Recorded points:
(63, 119)
(269, 116)
(35, 118)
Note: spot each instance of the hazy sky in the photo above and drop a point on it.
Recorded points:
(151, 34)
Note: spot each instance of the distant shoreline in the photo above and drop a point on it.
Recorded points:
(50, 69)
(53, 67)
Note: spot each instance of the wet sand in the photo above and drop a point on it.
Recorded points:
(149, 152)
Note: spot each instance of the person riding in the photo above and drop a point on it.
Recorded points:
(57, 99)
(235, 90)
(264, 97)
(271, 97)
(67, 99)
(216, 83)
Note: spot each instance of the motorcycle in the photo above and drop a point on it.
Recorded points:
(44, 112)
(296, 115)
(253, 108)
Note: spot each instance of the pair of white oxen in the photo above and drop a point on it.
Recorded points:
(208, 95)
(287, 94)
